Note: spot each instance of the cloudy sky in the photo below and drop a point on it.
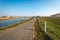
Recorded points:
(29, 7)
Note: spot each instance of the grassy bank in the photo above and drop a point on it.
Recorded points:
(41, 34)
(14, 25)
(53, 29)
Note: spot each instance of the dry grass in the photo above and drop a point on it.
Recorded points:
(6, 18)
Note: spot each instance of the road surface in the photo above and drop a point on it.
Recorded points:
(21, 32)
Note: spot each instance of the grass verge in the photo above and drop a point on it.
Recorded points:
(53, 30)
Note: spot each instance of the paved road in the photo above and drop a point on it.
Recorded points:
(21, 32)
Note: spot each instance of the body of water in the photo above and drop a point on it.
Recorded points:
(4, 23)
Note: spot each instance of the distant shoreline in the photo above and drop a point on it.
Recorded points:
(6, 18)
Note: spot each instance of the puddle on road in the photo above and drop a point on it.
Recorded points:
(27, 29)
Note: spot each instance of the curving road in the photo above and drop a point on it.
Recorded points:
(21, 32)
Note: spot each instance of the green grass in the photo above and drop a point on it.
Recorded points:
(55, 21)
(53, 31)
(53, 28)
(41, 35)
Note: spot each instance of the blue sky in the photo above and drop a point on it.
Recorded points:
(29, 7)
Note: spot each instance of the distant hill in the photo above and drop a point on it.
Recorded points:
(56, 15)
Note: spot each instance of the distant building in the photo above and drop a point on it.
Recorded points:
(56, 15)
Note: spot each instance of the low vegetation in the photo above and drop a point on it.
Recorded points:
(53, 28)
(5, 19)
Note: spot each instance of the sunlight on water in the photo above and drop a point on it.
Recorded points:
(10, 22)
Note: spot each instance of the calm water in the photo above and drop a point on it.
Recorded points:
(10, 22)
